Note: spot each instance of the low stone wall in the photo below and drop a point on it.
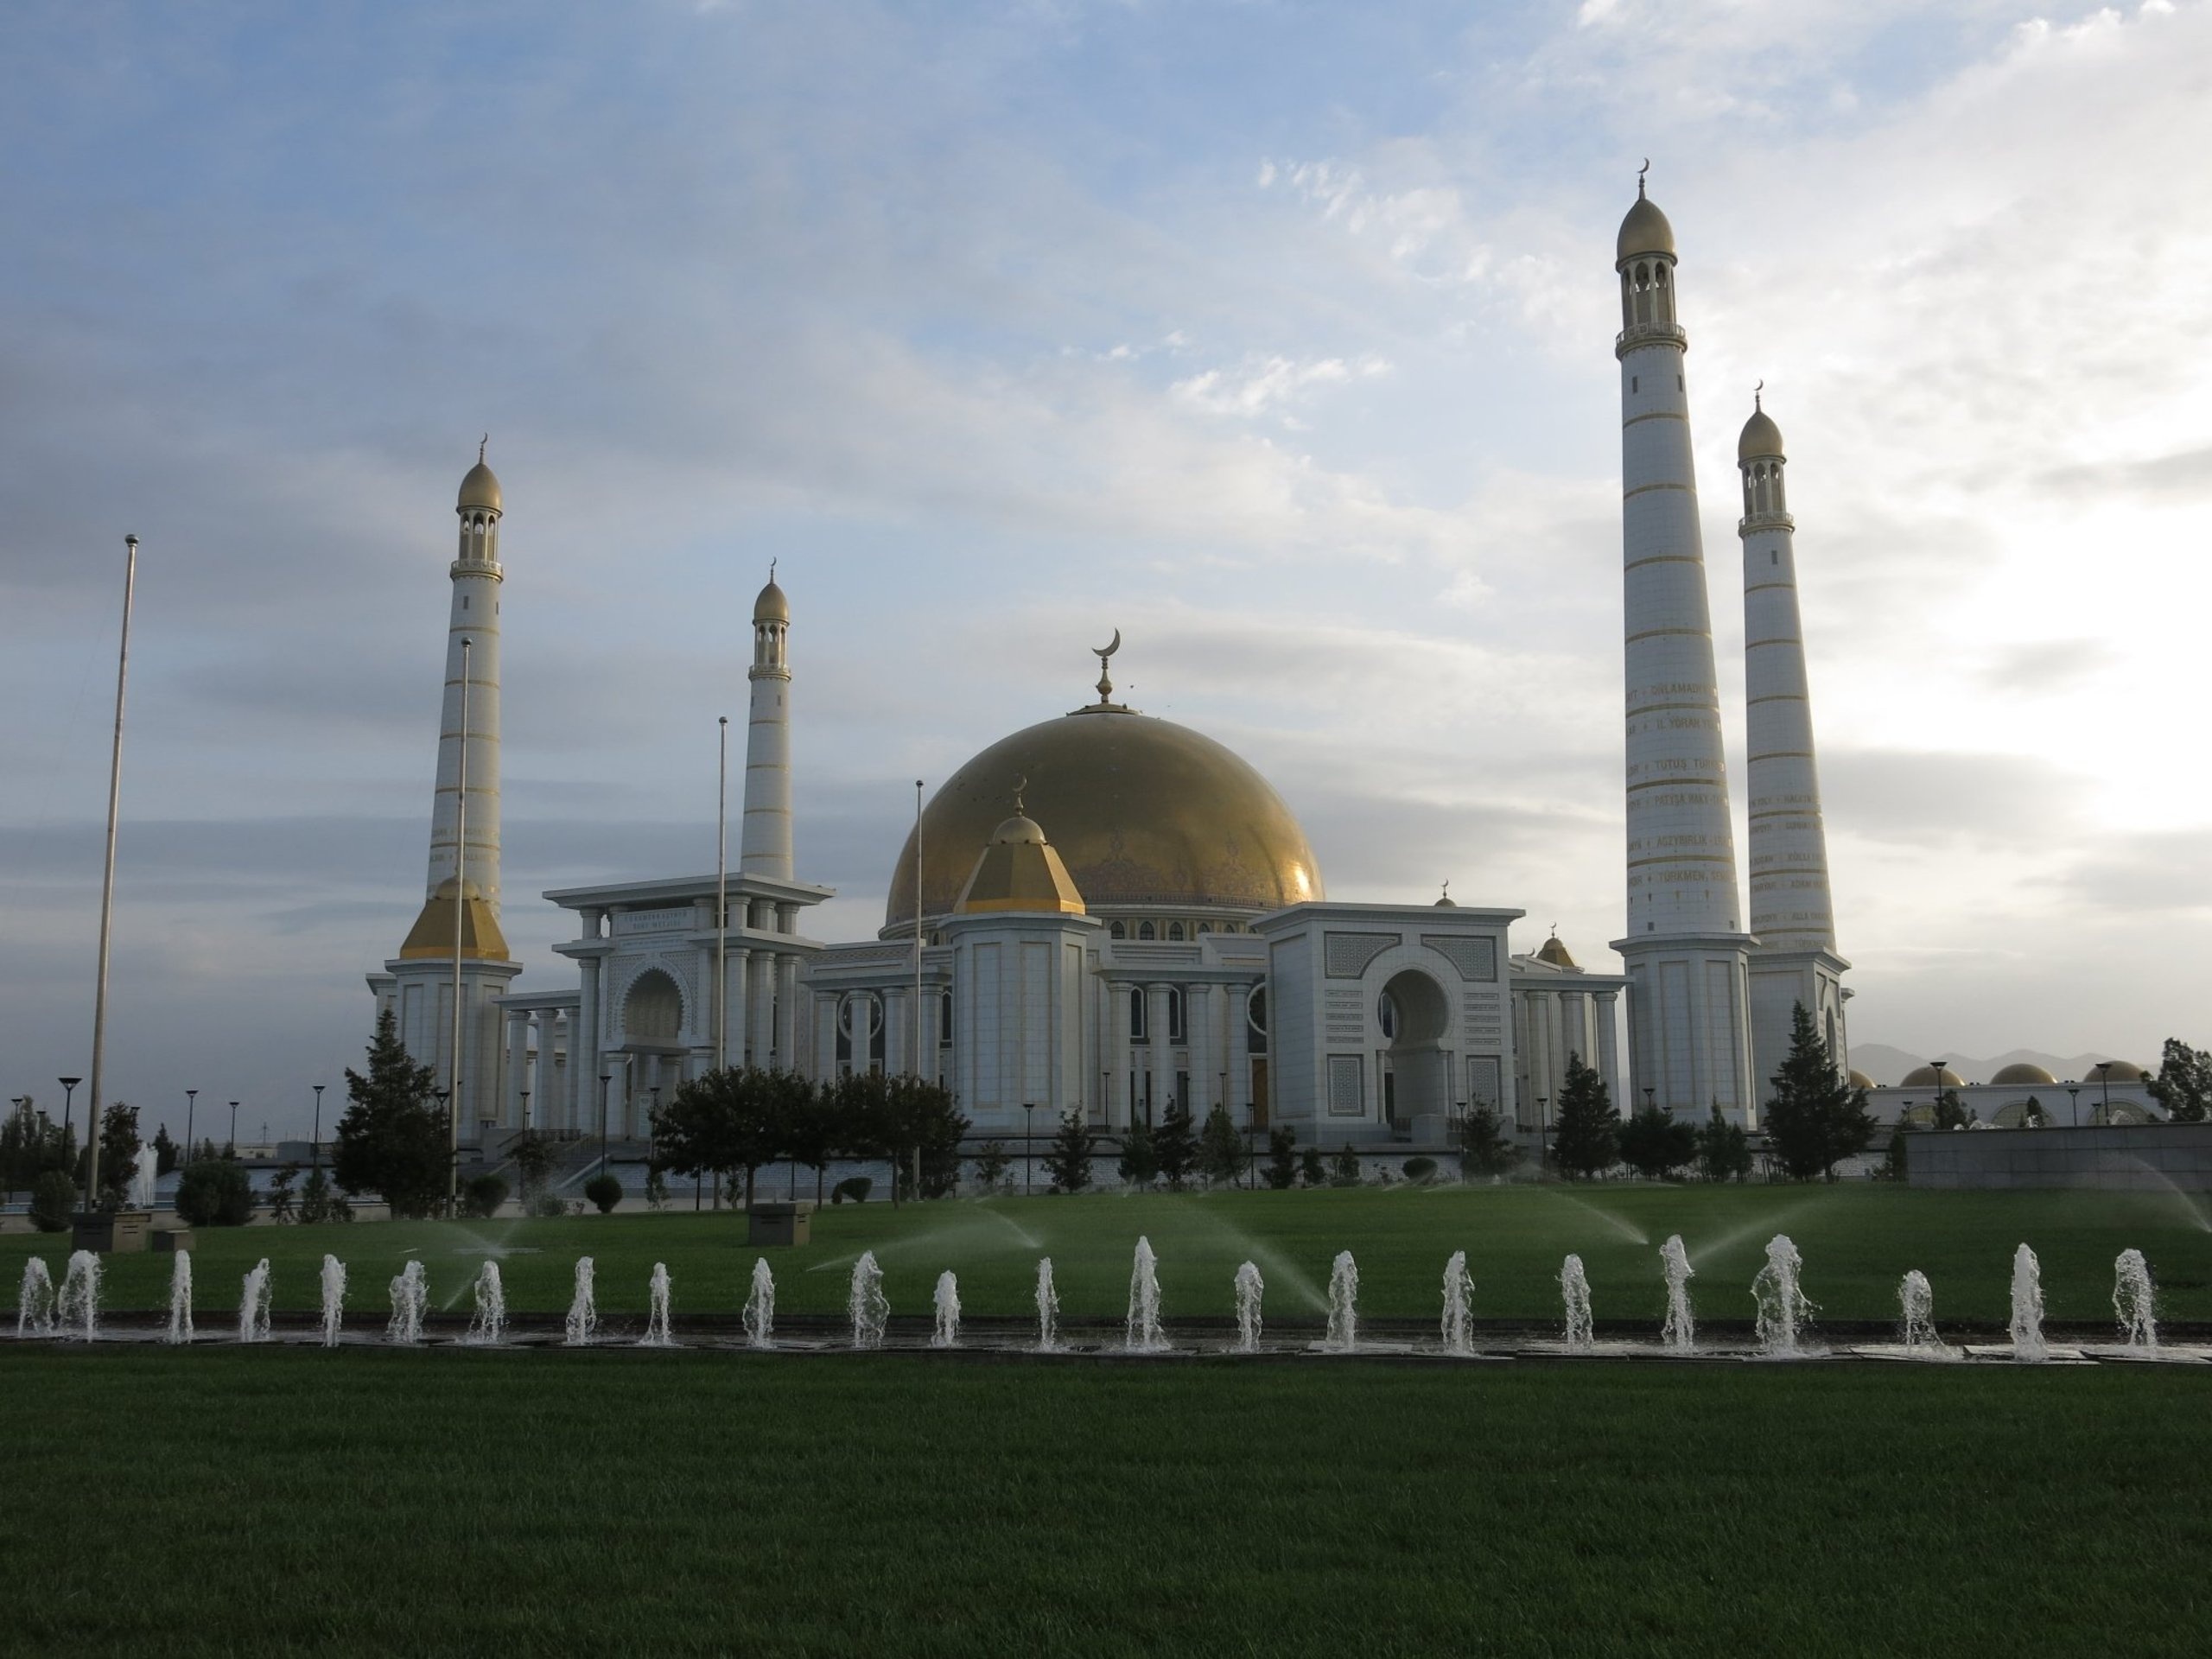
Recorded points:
(2140, 1158)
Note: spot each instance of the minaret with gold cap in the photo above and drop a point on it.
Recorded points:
(1792, 911)
(456, 937)
(765, 847)
(1686, 949)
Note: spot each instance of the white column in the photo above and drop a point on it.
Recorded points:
(1163, 1057)
(518, 1078)
(583, 1048)
(1199, 1020)
(787, 1054)
(1121, 1103)
(1609, 1061)
(738, 986)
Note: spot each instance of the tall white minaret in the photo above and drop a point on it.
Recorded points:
(475, 617)
(766, 847)
(1685, 948)
(1792, 913)
(456, 938)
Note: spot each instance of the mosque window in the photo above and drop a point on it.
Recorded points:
(1204, 928)
(1136, 1015)
(1145, 931)
(945, 1020)
(1175, 931)
(1118, 932)
(1386, 1015)
(1179, 1025)
(1255, 1021)
(1632, 381)
(1774, 555)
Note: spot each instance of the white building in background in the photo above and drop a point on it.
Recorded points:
(1106, 912)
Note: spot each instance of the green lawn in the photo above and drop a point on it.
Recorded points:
(222, 1500)
(1857, 1239)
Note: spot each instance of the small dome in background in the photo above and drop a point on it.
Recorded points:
(1923, 1076)
(1020, 870)
(2118, 1072)
(2022, 1071)
(1859, 1079)
(1553, 951)
(479, 491)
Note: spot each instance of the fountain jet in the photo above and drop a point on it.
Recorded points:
(657, 1333)
(865, 1301)
(946, 1301)
(1575, 1294)
(1249, 1288)
(760, 1306)
(2134, 1300)
(253, 1304)
(1344, 1305)
(1458, 1308)
(411, 1293)
(2028, 1346)
(1678, 1334)
(1142, 1334)
(76, 1309)
(179, 1330)
(582, 1323)
(1783, 1309)
(1048, 1308)
(333, 1299)
(487, 1326)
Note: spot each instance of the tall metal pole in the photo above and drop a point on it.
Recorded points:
(314, 1146)
(918, 929)
(460, 912)
(721, 904)
(107, 879)
(191, 1100)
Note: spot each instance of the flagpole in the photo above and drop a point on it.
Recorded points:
(721, 905)
(107, 879)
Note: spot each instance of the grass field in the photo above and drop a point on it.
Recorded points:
(224, 1500)
(1858, 1240)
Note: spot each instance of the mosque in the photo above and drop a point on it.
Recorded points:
(1106, 912)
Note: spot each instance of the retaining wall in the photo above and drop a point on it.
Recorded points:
(2137, 1158)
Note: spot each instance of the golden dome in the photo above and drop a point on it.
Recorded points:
(1923, 1076)
(1145, 812)
(2118, 1072)
(432, 934)
(1859, 1079)
(479, 491)
(771, 607)
(1644, 231)
(1761, 437)
(1019, 871)
(2023, 1071)
(1553, 951)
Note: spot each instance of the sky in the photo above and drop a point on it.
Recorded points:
(1277, 335)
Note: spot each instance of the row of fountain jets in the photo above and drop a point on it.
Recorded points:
(1785, 1310)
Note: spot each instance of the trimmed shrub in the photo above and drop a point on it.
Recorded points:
(1419, 1169)
(214, 1193)
(855, 1189)
(548, 1206)
(1344, 1168)
(604, 1191)
(54, 1197)
(483, 1196)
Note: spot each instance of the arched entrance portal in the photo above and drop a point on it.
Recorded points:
(1417, 1078)
(653, 1068)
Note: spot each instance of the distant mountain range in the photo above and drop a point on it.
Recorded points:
(1888, 1065)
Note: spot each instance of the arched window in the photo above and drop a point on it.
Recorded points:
(1255, 1021)
(1204, 928)
(1179, 1024)
(1145, 930)
(1117, 931)
(1175, 931)
(1386, 1015)
(1136, 1015)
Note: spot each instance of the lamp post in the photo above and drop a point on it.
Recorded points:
(1251, 1152)
(1028, 1132)
(605, 1079)
(314, 1146)
(107, 879)
(460, 916)
(69, 1111)
(525, 1111)
(2104, 1076)
(2074, 1111)
(1544, 1130)
(721, 904)
(191, 1099)
(1651, 1097)
(1936, 1069)
(233, 1151)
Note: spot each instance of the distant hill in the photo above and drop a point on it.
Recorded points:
(1886, 1065)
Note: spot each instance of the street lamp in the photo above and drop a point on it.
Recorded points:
(1544, 1130)
(605, 1079)
(69, 1111)
(1650, 1096)
(1028, 1133)
(1251, 1155)
(2074, 1113)
(314, 1146)
(233, 1151)
(2104, 1076)
(191, 1100)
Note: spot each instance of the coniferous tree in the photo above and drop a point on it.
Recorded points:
(1067, 1159)
(1282, 1158)
(1815, 1118)
(1140, 1163)
(1345, 1169)
(2183, 1085)
(167, 1153)
(1311, 1169)
(1222, 1156)
(1724, 1151)
(1586, 1136)
(1175, 1144)
(119, 1144)
(391, 1141)
(1485, 1149)
(1654, 1145)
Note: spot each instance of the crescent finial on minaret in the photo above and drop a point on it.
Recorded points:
(482, 444)
(1755, 391)
(1640, 172)
(1105, 681)
(1020, 786)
